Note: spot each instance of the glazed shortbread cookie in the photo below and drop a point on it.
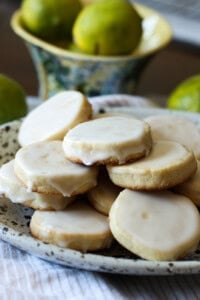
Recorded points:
(176, 129)
(111, 140)
(168, 164)
(79, 227)
(44, 168)
(155, 226)
(13, 189)
(104, 194)
(53, 118)
(191, 187)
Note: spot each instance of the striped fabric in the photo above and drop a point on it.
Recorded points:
(23, 277)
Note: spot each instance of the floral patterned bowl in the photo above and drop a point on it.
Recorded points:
(59, 69)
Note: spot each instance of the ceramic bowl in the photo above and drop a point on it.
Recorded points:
(59, 69)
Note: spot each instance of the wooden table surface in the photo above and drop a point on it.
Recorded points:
(171, 65)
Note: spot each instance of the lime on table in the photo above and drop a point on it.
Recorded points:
(51, 19)
(12, 100)
(186, 96)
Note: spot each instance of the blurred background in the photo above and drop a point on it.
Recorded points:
(175, 63)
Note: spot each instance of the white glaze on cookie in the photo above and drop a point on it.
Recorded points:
(155, 226)
(107, 140)
(53, 118)
(44, 168)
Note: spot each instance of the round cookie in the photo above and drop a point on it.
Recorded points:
(53, 118)
(43, 168)
(104, 194)
(167, 165)
(191, 187)
(111, 140)
(12, 188)
(156, 226)
(177, 129)
(80, 227)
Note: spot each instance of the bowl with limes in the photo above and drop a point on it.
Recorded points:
(99, 48)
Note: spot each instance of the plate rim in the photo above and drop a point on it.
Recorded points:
(95, 262)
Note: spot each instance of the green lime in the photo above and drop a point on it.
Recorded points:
(12, 100)
(186, 96)
(51, 19)
(108, 28)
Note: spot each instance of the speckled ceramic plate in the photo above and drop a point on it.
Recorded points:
(14, 219)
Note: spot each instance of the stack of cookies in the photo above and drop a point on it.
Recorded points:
(122, 172)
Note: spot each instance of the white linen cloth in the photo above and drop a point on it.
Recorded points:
(23, 276)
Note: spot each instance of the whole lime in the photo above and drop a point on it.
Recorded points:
(186, 96)
(108, 27)
(49, 18)
(12, 100)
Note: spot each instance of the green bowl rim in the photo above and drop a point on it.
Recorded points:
(28, 37)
